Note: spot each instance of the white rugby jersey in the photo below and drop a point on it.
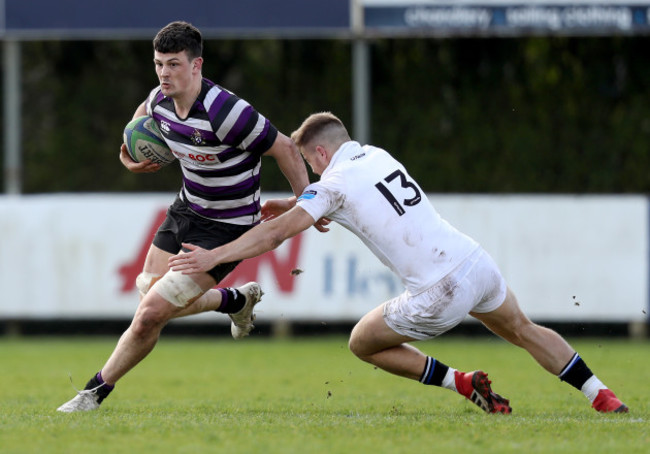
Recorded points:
(371, 194)
(219, 147)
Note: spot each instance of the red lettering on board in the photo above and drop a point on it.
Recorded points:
(246, 271)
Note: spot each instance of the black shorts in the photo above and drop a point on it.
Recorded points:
(182, 225)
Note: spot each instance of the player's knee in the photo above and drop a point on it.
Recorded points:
(145, 281)
(178, 288)
(147, 320)
(356, 344)
(354, 347)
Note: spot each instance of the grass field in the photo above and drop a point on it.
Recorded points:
(261, 395)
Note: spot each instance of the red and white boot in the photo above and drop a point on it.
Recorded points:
(475, 386)
(607, 402)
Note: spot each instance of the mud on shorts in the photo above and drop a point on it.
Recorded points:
(475, 285)
(182, 225)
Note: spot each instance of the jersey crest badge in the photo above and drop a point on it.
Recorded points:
(197, 138)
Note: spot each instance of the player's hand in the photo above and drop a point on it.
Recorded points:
(137, 167)
(321, 225)
(273, 208)
(196, 261)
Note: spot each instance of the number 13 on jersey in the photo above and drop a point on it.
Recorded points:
(404, 183)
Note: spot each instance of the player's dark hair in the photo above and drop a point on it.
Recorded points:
(177, 37)
(317, 124)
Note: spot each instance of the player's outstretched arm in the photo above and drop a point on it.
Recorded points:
(260, 239)
(290, 162)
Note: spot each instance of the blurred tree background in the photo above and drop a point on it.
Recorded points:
(480, 115)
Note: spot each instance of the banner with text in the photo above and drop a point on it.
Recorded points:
(566, 257)
(499, 17)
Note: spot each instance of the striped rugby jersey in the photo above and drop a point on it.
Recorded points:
(219, 146)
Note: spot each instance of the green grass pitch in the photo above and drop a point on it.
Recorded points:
(311, 395)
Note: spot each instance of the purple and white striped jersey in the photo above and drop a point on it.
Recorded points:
(219, 146)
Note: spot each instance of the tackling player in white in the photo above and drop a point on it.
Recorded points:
(447, 275)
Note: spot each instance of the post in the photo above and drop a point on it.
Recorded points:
(12, 117)
(360, 77)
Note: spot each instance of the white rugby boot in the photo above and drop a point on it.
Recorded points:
(85, 400)
(242, 321)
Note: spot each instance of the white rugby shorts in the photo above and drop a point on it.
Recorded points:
(475, 285)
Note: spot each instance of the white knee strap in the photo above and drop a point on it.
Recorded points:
(145, 280)
(177, 288)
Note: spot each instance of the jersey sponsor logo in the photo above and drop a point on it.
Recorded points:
(202, 157)
(354, 158)
(165, 126)
(308, 195)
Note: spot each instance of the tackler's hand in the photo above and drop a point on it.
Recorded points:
(273, 208)
(321, 225)
(197, 260)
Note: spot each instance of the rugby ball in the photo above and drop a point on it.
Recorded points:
(144, 140)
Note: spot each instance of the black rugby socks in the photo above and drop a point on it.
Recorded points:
(232, 300)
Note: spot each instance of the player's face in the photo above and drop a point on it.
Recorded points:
(176, 72)
(314, 159)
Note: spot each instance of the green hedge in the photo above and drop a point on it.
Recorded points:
(499, 115)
